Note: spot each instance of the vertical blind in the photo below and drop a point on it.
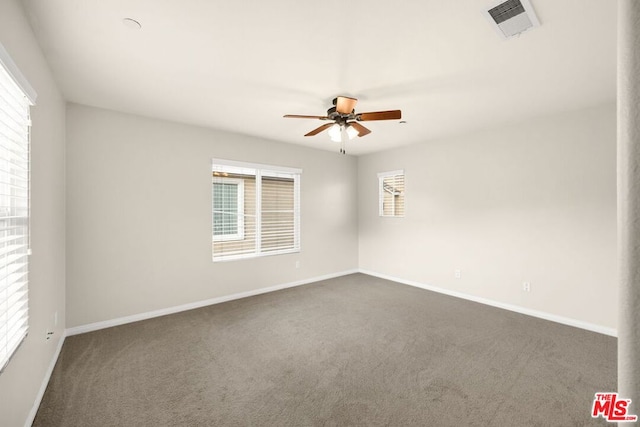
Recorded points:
(391, 193)
(14, 215)
(268, 213)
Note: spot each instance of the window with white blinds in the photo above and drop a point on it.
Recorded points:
(391, 193)
(14, 208)
(256, 210)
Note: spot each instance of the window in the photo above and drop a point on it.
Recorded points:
(14, 206)
(228, 209)
(391, 193)
(256, 210)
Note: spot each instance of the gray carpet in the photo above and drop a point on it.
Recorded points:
(356, 350)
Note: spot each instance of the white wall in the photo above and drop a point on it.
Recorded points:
(21, 381)
(530, 202)
(533, 202)
(139, 215)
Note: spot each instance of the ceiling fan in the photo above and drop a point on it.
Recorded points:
(345, 121)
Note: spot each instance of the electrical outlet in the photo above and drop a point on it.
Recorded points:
(457, 274)
(526, 286)
(48, 335)
(297, 264)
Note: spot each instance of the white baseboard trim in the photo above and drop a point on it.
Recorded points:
(198, 304)
(45, 382)
(515, 308)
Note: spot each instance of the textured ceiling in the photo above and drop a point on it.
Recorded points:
(241, 65)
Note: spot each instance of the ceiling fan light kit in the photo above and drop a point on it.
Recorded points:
(337, 131)
(351, 132)
(345, 124)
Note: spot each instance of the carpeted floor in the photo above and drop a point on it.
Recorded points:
(356, 350)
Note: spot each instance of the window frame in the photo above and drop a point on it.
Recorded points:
(239, 235)
(258, 170)
(21, 97)
(381, 190)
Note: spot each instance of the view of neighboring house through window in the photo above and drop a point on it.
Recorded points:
(16, 96)
(228, 208)
(256, 210)
(391, 193)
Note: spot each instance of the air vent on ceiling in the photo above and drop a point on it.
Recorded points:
(512, 17)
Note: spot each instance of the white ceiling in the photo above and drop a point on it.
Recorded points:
(241, 65)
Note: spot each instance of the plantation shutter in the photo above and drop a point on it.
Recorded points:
(269, 216)
(391, 193)
(14, 207)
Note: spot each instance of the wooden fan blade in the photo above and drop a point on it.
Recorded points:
(362, 131)
(299, 116)
(319, 129)
(345, 105)
(380, 115)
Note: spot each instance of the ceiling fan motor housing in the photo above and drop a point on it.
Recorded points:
(333, 114)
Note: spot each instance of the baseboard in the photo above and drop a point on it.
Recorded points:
(522, 310)
(45, 382)
(198, 304)
(176, 309)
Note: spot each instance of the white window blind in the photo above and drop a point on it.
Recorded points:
(14, 208)
(262, 202)
(391, 193)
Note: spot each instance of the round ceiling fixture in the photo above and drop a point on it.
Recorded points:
(131, 24)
